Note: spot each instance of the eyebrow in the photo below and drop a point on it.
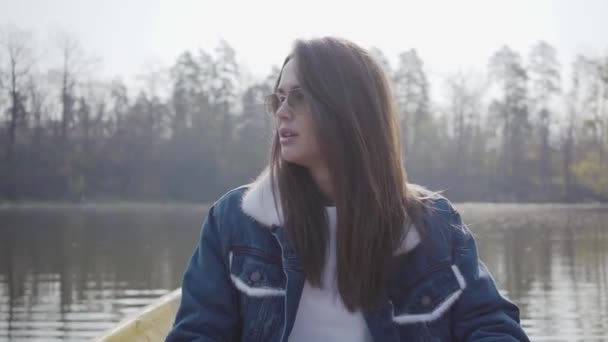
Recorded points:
(282, 91)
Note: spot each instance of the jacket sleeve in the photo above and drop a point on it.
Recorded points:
(481, 313)
(209, 305)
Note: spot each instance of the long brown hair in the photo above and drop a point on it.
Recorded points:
(353, 111)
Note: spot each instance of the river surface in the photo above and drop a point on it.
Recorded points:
(68, 273)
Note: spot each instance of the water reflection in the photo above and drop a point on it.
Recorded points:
(68, 274)
(551, 260)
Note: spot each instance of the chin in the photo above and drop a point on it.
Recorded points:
(292, 157)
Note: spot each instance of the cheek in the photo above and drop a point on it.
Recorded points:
(308, 128)
(307, 146)
(309, 139)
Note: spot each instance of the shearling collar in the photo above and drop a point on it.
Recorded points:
(258, 203)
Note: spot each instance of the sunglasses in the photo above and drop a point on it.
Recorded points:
(296, 101)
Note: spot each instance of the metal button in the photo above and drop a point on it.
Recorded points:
(426, 301)
(255, 276)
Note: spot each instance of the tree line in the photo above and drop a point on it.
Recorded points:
(518, 132)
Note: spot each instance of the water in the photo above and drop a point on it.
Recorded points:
(70, 273)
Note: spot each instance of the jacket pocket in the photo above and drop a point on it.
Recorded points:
(260, 281)
(255, 274)
(431, 297)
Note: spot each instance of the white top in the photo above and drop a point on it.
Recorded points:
(321, 314)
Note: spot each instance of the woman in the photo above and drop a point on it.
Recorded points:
(331, 243)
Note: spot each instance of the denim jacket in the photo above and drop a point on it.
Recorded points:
(244, 280)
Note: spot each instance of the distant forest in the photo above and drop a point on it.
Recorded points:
(521, 131)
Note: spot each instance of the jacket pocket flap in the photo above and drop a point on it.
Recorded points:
(254, 275)
(431, 298)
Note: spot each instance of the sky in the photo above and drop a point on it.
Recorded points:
(132, 36)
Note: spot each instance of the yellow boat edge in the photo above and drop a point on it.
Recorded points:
(150, 324)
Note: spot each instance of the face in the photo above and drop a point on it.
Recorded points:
(293, 121)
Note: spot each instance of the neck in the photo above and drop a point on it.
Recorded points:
(320, 174)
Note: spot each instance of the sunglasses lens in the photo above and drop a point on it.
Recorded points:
(296, 99)
(271, 103)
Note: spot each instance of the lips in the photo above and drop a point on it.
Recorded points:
(286, 133)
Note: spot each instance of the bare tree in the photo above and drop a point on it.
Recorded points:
(600, 68)
(545, 83)
(225, 91)
(73, 65)
(17, 46)
(412, 93)
(593, 96)
(506, 70)
(154, 80)
(38, 97)
(380, 57)
(568, 143)
(271, 79)
(464, 107)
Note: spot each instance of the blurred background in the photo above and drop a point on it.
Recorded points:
(120, 122)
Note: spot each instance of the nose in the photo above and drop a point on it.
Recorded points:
(284, 112)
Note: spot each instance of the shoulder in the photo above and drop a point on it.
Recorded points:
(443, 227)
(442, 209)
(432, 208)
(222, 216)
(231, 209)
(230, 200)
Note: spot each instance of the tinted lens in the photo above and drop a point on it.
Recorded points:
(296, 99)
(271, 103)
